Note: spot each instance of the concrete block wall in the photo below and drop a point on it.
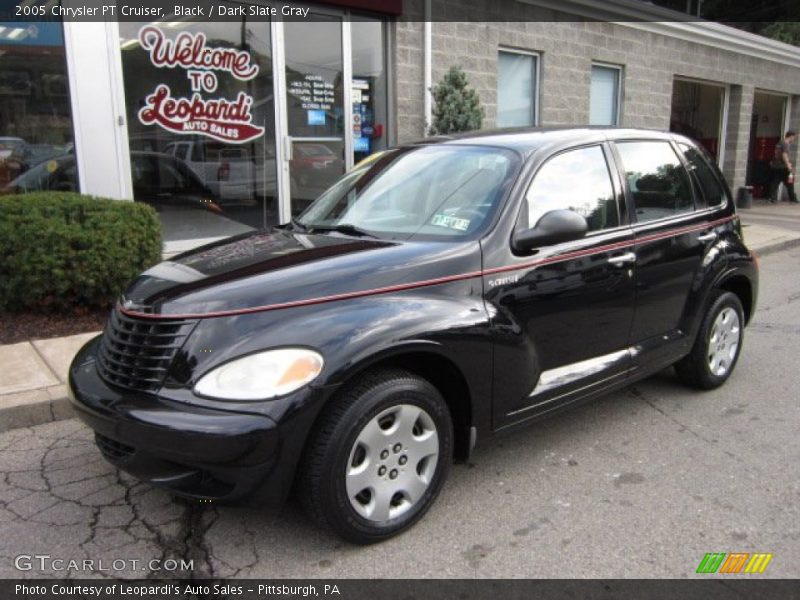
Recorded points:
(567, 49)
(737, 141)
(794, 113)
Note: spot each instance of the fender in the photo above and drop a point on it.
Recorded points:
(713, 265)
(725, 260)
(461, 340)
(351, 335)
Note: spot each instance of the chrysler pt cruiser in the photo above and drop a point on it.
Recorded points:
(440, 294)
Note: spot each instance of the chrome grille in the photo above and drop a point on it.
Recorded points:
(136, 353)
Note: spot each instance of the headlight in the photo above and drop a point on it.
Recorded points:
(261, 376)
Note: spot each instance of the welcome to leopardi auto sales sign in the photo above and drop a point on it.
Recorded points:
(226, 120)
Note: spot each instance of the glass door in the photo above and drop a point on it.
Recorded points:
(314, 80)
(208, 175)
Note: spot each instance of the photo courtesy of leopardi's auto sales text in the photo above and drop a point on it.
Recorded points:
(399, 299)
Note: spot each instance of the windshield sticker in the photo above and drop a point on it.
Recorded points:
(450, 222)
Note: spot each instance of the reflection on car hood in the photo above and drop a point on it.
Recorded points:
(266, 270)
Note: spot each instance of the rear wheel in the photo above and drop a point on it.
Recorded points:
(718, 344)
(379, 457)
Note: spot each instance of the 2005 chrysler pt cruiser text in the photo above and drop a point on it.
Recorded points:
(439, 294)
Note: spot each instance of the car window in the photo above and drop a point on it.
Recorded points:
(54, 174)
(170, 178)
(143, 172)
(657, 180)
(578, 180)
(214, 151)
(710, 187)
(420, 192)
(162, 173)
(179, 150)
(197, 152)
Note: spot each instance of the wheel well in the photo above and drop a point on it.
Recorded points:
(741, 286)
(446, 377)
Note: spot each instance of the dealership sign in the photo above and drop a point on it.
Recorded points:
(223, 119)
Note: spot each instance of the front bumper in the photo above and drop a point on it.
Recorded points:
(193, 451)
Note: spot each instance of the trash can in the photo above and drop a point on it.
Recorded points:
(744, 198)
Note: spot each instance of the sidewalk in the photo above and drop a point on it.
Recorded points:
(34, 374)
(33, 380)
(771, 227)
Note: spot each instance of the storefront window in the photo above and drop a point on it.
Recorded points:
(370, 100)
(36, 141)
(315, 106)
(201, 121)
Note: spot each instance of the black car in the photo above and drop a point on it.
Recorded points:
(443, 293)
(158, 179)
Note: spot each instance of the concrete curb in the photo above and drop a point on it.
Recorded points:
(34, 388)
(777, 247)
(35, 408)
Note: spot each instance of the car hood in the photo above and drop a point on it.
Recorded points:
(281, 269)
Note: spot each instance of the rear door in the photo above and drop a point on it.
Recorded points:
(563, 313)
(671, 239)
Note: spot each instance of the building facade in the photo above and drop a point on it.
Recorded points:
(226, 126)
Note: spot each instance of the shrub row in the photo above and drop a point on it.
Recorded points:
(60, 249)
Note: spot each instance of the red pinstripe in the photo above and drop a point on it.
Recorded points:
(437, 281)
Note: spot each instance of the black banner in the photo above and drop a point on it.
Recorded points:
(398, 589)
(728, 11)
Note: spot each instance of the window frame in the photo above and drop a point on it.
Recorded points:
(537, 71)
(701, 202)
(618, 105)
(631, 204)
(617, 187)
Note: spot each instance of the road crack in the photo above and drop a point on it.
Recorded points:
(683, 426)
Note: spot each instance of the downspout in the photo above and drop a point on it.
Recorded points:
(427, 76)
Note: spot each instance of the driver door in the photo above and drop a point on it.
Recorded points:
(563, 313)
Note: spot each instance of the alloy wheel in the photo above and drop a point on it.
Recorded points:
(392, 462)
(723, 341)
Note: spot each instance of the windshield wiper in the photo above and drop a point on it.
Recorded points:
(346, 228)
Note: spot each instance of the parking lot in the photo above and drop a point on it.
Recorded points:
(640, 484)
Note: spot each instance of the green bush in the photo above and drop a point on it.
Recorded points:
(60, 249)
(456, 107)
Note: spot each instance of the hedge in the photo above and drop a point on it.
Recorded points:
(60, 249)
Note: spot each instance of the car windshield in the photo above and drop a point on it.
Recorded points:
(54, 174)
(423, 192)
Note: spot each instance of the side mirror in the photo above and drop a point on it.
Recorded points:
(555, 227)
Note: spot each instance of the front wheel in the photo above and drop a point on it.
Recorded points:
(718, 344)
(378, 458)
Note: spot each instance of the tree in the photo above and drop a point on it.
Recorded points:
(776, 19)
(456, 106)
(788, 32)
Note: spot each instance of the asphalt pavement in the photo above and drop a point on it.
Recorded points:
(642, 483)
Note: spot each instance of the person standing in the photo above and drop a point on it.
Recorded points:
(782, 168)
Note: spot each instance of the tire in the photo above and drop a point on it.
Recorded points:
(718, 345)
(378, 457)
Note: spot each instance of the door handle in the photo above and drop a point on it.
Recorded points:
(622, 259)
(707, 237)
